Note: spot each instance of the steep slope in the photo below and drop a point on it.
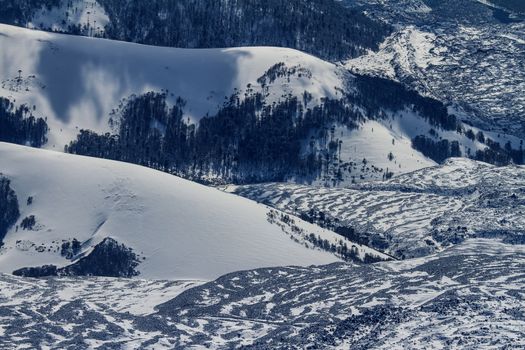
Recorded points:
(468, 297)
(76, 82)
(413, 214)
(98, 215)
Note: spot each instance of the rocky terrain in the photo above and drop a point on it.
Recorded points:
(414, 214)
(263, 174)
(469, 296)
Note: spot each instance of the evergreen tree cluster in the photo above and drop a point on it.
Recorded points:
(324, 28)
(378, 94)
(18, 125)
(495, 154)
(9, 211)
(28, 223)
(280, 70)
(20, 12)
(109, 258)
(438, 151)
(246, 141)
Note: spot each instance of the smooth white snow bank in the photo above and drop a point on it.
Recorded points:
(183, 229)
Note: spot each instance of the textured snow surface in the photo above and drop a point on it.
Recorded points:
(468, 297)
(181, 229)
(457, 54)
(416, 213)
(76, 82)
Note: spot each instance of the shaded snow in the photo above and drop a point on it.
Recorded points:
(77, 81)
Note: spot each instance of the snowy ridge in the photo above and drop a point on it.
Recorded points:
(76, 82)
(177, 229)
(79, 83)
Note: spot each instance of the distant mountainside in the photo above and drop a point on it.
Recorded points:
(321, 27)
(517, 6)
(467, 54)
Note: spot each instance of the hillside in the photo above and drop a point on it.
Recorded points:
(108, 218)
(76, 82)
(468, 54)
(262, 174)
(268, 114)
(79, 83)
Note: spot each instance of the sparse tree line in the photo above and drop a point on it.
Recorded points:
(246, 141)
(109, 258)
(439, 150)
(249, 141)
(18, 125)
(343, 248)
(378, 94)
(324, 28)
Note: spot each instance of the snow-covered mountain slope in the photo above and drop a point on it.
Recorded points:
(375, 149)
(83, 83)
(78, 211)
(460, 52)
(414, 214)
(468, 297)
(76, 82)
